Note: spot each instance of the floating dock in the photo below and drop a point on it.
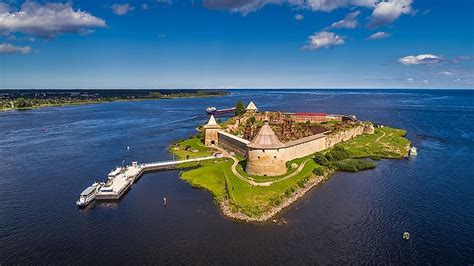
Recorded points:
(121, 179)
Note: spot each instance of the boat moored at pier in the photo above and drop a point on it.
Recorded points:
(121, 179)
(88, 195)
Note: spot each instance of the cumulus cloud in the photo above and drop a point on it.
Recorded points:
(6, 48)
(379, 35)
(121, 9)
(299, 17)
(385, 12)
(248, 6)
(324, 39)
(349, 22)
(422, 59)
(47, 20)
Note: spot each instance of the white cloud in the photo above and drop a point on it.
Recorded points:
(323, 39)
(386, 12)
(349, 22)
(121, 9)
(330, 5)
(379, 35)
(422, 59)
(48, 20)
(446, 73)
(6, 48)
(299, 17)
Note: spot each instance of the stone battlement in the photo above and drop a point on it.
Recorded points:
(267, 156)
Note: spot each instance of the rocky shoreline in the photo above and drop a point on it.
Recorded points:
(314, 180)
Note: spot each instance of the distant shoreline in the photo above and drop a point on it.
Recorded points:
(23, 100)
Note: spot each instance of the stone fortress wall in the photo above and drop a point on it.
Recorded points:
(232, 143)
(265, 162)
(293, 149)
(271, 161)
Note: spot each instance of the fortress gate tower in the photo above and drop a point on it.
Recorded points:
(210, 132)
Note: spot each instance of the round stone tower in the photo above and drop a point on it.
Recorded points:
(210, 132)
(266, 154)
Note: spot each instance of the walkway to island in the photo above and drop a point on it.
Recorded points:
(121, 179)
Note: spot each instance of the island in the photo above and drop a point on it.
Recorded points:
(265, 161)
(37, 98)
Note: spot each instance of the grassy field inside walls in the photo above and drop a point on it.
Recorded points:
(217, 177)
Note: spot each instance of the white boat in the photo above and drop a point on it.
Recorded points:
(115, 173)
(412, 151)
(88, 195)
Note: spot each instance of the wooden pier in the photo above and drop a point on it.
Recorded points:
(121, 179)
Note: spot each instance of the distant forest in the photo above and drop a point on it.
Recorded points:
(35, 98)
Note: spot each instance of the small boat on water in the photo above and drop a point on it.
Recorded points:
(88, 195)
(413, 151)
(211, 110)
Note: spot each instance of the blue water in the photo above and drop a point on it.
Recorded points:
(48, 156)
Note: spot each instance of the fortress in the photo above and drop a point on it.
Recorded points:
(271, 139)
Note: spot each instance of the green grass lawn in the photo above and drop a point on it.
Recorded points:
(241, 169)
(386, 142)
(210, 176)
(216, 175)
(190, 148)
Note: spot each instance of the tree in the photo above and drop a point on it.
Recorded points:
(239, 108)
(22, 103)
(252, 120)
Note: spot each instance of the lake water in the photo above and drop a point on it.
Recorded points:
(48, 156)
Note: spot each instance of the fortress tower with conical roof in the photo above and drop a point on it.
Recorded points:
(266, 155)
(251, 107)
(210, 132)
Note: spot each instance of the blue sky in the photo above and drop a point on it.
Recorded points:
(237, 43)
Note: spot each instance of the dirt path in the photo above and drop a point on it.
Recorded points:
(250, 180)
(379, 138)
(263, 184)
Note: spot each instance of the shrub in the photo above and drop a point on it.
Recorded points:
(318, 171)
(329, 157)
(337, 153)
(375, 158)
(353, 165)
(319, 158)
(346, 167)
(302, 182)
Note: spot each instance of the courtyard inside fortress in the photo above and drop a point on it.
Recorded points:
(268, 140)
